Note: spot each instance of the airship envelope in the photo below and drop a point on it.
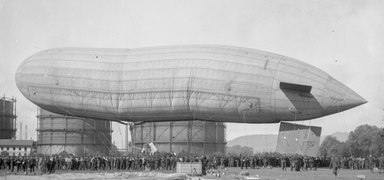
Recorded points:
(173, 83)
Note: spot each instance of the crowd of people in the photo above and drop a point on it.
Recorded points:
(168, 161)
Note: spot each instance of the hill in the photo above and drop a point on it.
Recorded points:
(259, 142)
(341, 136)
(268, 142)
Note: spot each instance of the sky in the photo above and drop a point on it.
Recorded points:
(344, 38)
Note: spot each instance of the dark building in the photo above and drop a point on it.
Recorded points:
(7, 118)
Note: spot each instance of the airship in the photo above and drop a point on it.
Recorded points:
(181, 83)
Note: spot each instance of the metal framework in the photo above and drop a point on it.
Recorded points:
(195, 137)
(7, 118)
(181, 83)
(71, 134)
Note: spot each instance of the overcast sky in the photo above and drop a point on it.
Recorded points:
(343, 38)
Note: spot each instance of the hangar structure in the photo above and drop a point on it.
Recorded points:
(181, 83)
(298, 139)
(74, 135)
(193, 137)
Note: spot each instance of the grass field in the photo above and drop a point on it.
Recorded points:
(231, 173)
(320, 174)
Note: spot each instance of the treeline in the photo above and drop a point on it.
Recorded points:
(236, 150)
(365, 140)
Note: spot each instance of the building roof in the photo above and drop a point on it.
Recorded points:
(14, 143)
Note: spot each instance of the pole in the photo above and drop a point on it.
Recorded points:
(26, 132)
(126, 138)
(21, 131)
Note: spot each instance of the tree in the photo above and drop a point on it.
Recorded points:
(237, 150)
(343, 150)
(366, 140)
(246, 151)
(331, 147)
(218, 153)
(233, 150)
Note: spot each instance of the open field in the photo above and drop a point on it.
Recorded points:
(231, 173)
(320, 174)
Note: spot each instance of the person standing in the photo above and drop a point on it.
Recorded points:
(381, 163)
(13, 162)
(18, 164)
(297, 162)
(291, 162)
(284, 162)
(335, 165)
(32, 164)
(311, 163)
(371, 163)
(242, 161)
(24, 165)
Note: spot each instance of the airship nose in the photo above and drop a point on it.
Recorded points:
(339, 97)
(352, 99)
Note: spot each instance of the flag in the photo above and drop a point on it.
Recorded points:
(152, 147)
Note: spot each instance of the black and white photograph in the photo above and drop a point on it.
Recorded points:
(192, 89)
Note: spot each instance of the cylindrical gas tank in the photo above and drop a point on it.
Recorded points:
(58, 133)
(195, 137)
(7, 118)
